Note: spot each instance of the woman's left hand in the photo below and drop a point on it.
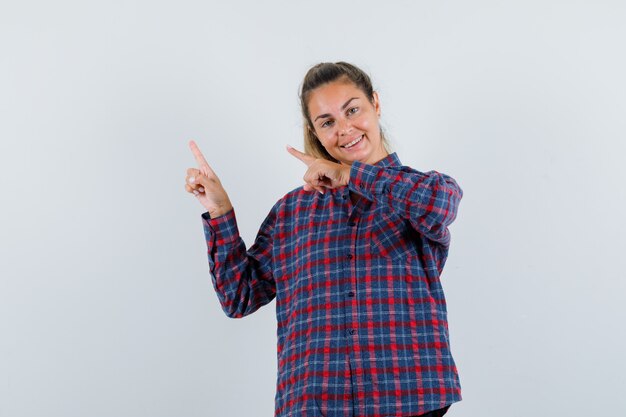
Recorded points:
(321, 173)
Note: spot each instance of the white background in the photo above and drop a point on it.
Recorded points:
(106, 304)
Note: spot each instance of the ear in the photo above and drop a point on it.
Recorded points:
(376, 102)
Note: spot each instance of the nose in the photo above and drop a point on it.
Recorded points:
(344, 127)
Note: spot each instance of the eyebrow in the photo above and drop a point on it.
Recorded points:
(342, 107)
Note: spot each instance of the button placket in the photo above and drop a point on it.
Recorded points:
(350, 292)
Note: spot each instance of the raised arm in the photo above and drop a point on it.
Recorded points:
(242, 278)
(428, 200)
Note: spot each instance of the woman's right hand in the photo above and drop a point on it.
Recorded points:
(206, 186)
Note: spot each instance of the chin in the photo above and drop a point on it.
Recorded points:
(360, 156)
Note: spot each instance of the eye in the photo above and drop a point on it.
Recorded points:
(353, 110)
(326, 123)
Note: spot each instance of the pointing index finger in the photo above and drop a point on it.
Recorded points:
(202, 163)
(307, 159)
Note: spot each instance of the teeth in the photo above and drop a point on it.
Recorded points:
(354, 142)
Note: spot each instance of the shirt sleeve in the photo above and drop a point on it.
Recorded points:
(242, 279)
(429, 201)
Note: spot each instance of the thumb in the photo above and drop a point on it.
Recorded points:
(197, 177)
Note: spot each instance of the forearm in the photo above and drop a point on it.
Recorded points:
(428, 200)
(242, 278)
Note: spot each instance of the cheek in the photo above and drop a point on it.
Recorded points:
(325, 138)
(370, 126)
(367, 123)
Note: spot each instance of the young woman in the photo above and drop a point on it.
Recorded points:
(354, 259)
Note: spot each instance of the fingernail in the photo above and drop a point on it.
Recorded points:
(289, 146)
(321, 192)
(192, 179)
(201, 189)
(196, 192)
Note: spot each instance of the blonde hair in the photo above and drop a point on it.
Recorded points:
(324, 73)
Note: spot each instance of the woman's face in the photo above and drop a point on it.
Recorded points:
(346, 122)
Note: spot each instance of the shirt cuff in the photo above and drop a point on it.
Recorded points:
(365, 180)
(223, 228)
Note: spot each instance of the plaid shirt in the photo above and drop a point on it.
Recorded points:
(362, 321)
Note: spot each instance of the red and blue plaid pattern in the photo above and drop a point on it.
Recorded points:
(362, 321)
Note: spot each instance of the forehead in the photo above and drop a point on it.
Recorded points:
(329, 98)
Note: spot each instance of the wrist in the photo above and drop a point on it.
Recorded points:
(346, 174)
(220, 211)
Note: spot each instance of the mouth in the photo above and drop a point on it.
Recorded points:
(354, 142)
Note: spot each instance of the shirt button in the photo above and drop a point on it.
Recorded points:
(351, 224)
(351, 331)
(351, 294)
(349, 256)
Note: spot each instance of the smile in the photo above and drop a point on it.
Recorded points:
(354, 142)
